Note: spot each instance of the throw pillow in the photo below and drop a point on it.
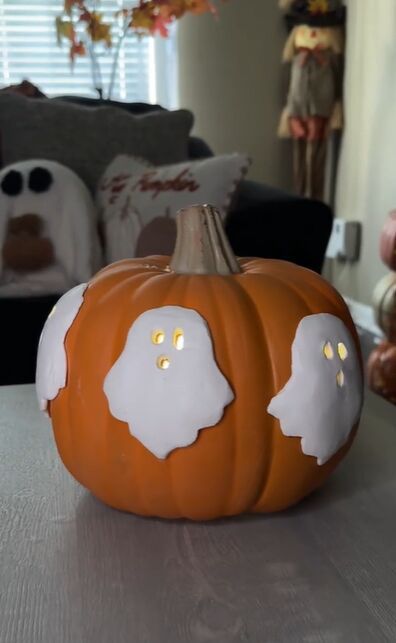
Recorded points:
(138, 209)
(25, 88)
(86, 139)
(115, 179)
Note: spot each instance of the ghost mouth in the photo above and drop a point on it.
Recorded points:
(163, 362)
(25, 249)
(340, 378)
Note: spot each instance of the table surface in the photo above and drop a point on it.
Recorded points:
(75, 571)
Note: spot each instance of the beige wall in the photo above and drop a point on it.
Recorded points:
(231, 77)
(367, 171)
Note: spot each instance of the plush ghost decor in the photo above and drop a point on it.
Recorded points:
(51, 373)
(48, 229)
(166, 384)
(321, 402)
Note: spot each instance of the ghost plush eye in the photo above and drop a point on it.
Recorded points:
(40, 180)
(328, 351)
(163, 362)
(178, 339)
(342, 351)
(12, 184)
(158, 337)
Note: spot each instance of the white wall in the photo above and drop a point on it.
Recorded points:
(231, 77)
(367, 172)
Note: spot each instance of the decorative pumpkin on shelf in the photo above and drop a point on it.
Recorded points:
(201, 386)
(381, 370)
(381, 365)
(385, 305)
(388, 241)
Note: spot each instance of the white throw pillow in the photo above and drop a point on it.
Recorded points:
(115, 178)
(138, 203)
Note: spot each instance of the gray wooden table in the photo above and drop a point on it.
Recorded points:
(74, 571)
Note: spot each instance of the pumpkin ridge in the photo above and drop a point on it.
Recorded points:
(78, 331)
(109, 277)
(138, 490)
(105, 452)
(302, 294)
(312, 283)
(270, 460)
(235, 285)
(230, 369)
(291, 286)
(107, 428)
(198, 296)
(273, 360)
(71, 433)
(267, 343)
(184, 281)
(141, 264)
(69, 452)
(332, 301)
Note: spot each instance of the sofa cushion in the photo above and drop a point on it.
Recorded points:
(266, 222)
(24, 88)
(197, 147)
(86, 139)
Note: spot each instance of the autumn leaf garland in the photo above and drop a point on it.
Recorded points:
(81, 23)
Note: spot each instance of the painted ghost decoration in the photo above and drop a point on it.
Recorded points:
(322, 401)
(62, 205)
(166, 384)
(51, 373)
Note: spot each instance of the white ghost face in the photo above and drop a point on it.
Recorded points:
(322, 401)
(166, 384)
(64, 215)
(51, 370)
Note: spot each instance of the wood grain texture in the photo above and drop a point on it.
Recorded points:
(74, 571)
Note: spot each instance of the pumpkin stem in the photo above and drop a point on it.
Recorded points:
(202, 247)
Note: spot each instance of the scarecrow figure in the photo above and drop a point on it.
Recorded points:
(315, 49)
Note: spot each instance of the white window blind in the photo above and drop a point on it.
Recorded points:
(29, 49)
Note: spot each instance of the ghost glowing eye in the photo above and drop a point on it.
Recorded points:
(178, 339)
(163, 362)
(340, 377)
(158, 337)
(342, 351)
(328, 351)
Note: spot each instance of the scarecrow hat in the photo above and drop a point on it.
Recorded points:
(315, 13)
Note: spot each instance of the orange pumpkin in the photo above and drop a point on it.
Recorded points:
(385, 305)
(252, 307)
(388, 241)
(381, 370)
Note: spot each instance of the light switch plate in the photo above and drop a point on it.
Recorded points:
(345, 240)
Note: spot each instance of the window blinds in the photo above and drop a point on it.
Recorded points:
(29, 49)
